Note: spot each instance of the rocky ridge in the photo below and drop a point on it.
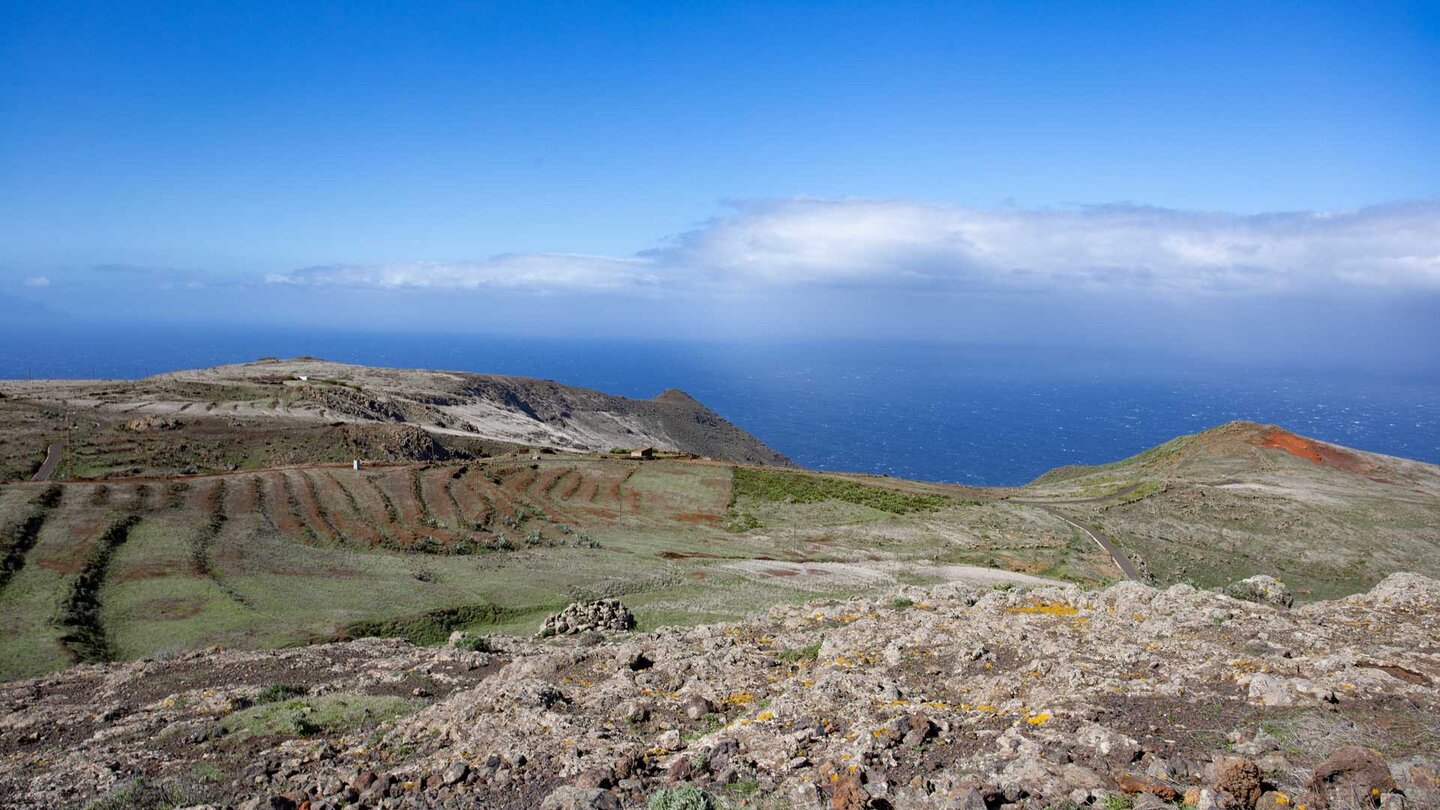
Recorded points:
(949, 697)
(513, 409)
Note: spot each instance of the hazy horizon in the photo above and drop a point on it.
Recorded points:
(1222, 182)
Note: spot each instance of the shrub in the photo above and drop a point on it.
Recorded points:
(743, 522)
(745, 787)
(807, 653)
(141, 792)
(684, 798)
(474, 642)
(49, 498)
(277, 692)
(902, 602)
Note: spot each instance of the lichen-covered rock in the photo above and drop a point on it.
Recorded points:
(1263, 590)
(966, 698)
(148, 424)
(583, 617)
(573, 798)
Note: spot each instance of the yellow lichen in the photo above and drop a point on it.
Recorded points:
(1047, 607)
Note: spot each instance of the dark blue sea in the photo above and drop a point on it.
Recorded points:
(959, 413)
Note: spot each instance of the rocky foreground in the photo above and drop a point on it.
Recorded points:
(932, 698)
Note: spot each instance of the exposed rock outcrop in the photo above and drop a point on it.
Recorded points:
(963, 698)
(1262, 589)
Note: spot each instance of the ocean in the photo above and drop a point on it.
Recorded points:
(959, 413)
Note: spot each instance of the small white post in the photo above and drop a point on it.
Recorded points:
(357, 464)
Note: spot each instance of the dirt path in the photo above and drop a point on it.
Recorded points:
(52, 460)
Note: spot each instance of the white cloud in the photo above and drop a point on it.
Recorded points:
(36, 281)
(531, 271)
(889, 243)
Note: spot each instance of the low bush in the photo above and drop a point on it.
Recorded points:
(276, 692)
(473, 642)
(807, 653)
(683, 798)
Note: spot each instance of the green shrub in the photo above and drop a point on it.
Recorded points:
(474, 642)
(743, 522)
(684, 798)
(743, 788)
(140, 792)
(277, 692)
(429, 628)
(902, 602)
(807, 653)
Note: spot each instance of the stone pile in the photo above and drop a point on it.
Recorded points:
(605, 615)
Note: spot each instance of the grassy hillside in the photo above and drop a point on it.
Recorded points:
(142, 567)
(1246, 498)
(178, 531)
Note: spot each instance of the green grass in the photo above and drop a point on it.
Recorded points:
(327, 714)
(743, 522)
(429, 628)
(807, 653)
(681, 798)
(144, 794)
(744, 788)
(664, 549)
(793, 487)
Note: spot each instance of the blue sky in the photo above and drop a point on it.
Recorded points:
(775, 167)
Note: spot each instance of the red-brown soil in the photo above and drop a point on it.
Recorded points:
(1312, 451)
(704, 518)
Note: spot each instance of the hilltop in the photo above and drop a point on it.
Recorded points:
(1246, 498)
(272, 412)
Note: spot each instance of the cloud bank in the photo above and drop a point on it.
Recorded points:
(841, 243)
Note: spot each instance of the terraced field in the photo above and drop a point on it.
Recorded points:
(129, 567)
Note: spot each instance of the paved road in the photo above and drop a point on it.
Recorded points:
(52, 459)
(1116, 556)
(1119, 559)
